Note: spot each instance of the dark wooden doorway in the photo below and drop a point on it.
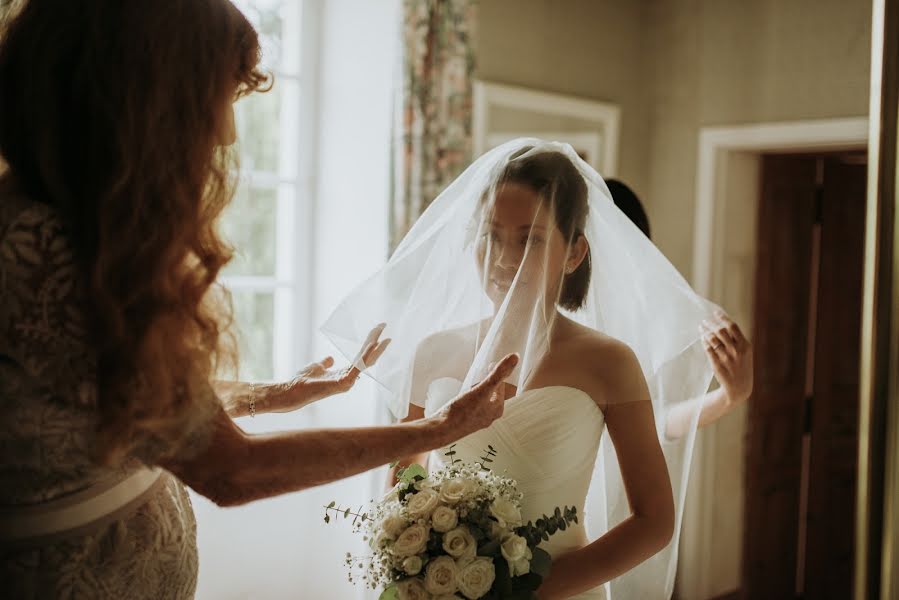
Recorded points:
(802, 434)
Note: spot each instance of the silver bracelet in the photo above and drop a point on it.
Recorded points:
(252, 406)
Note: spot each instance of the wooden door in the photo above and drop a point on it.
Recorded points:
(803, 417)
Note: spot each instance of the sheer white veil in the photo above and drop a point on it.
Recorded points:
(457, 295)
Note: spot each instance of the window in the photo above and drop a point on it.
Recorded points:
(269, 214)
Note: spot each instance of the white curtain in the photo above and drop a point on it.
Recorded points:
(281, 548)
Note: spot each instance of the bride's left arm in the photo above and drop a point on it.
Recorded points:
(629, 418)
(731, 356)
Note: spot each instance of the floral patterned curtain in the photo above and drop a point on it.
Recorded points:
(433, 142)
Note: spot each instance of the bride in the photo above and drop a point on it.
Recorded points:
(526, 253)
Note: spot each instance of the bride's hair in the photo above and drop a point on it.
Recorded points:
(558, 182)
(112, 112)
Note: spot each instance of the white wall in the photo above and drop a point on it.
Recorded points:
(280, 548)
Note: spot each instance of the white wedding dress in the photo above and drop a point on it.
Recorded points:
(477, 278)
(548, 441)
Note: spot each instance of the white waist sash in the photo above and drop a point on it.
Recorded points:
(79, 513)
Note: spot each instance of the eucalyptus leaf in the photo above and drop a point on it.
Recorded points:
(389, 594)
(541, 562)
(411, 472)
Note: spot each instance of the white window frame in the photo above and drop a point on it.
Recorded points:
(290, 286)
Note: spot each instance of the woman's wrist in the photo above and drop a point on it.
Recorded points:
(441, 431)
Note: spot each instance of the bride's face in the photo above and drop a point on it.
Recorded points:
(519, 237)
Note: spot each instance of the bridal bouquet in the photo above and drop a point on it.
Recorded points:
(456, 532)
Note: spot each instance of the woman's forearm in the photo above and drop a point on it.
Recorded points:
(236, 396)
(239, 467)
(711, 406)
(618, 551)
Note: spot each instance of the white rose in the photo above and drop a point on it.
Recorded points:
(476, 578)
(440, 576)
(381, 541)
(505, 512)
(514, 548)
(422, 504)
(444, 518)
(412, 565)
(393, 525)
(454, 491)
(459, 543)
(424, 484)
(411, 589)
(412, 541)
(522, 566)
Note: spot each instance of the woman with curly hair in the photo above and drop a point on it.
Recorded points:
(115, 122)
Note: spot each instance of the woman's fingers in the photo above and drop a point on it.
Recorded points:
(720, 337)
(500, 371)
(717, 355)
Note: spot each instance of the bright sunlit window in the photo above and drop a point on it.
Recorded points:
(266, 221)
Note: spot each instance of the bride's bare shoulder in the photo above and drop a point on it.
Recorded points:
(607, 364)
(591, 344)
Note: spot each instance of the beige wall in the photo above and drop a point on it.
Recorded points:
(677, 65)
(722, 62)
(588, 48)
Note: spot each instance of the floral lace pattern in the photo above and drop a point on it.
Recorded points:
(50, 415)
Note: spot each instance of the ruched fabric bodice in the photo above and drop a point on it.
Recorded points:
(547, 440)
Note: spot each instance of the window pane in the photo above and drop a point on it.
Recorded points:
(278, 25)
(268, 129)
(258, 130)
(254, 320)
(249, 224)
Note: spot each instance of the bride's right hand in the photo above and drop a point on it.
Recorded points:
(482, 404)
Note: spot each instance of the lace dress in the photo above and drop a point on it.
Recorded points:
(49, 416)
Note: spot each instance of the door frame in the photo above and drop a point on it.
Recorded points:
(717, 146)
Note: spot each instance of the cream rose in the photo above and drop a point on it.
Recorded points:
(514, 548)
(393, 525)
(422, 504)
(411, 589)
(505, 512)
(522, 566)
(454, 491)
(380, 541)
(444, 518)
(412, 565)
(459, 543)
(440, 576)
(447, 597)
(412, 541)
(476, 578)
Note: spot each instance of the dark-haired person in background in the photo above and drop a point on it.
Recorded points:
(726, 346)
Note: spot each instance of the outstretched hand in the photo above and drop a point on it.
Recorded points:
(320, 380)
(483, 403)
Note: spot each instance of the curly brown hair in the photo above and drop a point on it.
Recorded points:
(112, 112)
